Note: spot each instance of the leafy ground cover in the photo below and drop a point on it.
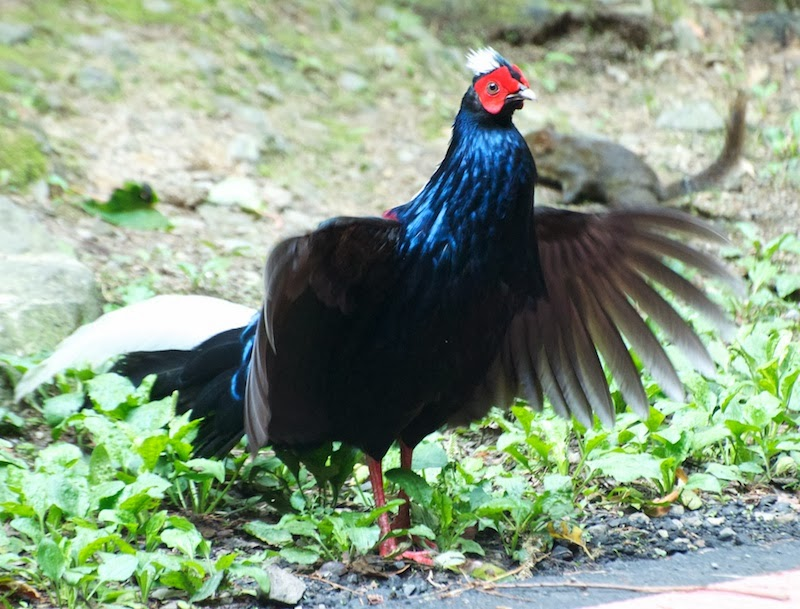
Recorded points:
(111, 508)
(107, 507)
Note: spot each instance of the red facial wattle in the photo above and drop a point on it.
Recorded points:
(494, 87)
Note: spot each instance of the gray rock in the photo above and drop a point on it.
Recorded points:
(277, 196)
(639, 518)
(46, 293)
(332, 569)
(21, 233)
(235, 190)
(245, 147)
(15, 33)
(43, 299)
(561, 553)
(597, 531)
(96, 80)
(112, 43)
(269, 90)
(726, 534)
(686, 38)
(284, 587)
(691, 116)
(352, 82)
(677, 510)
(207, 63)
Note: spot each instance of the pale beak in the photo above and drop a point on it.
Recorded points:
(526, 93)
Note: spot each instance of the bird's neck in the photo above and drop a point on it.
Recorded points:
(481, 194)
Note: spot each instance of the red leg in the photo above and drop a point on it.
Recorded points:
(403, 519)
(388, 546)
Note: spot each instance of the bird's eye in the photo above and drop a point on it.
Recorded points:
(492, 88)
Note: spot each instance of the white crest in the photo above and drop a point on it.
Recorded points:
(483, 60)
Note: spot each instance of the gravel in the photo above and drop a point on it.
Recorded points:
(743, 524)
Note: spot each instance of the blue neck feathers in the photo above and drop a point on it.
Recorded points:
(481, 193)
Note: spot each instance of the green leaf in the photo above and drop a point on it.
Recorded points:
(450, 560)
(152, 416)
(132, 206)
(268, 533)
(300, 556)
(183, 541)
(225, 561)
(427, 455)
(60, 407)
(257, 573)
(50, 559)
(109, 391)
(413, 484)
(203, 469)
(703, 482)
(787, 284)
(625, 467)
(724, 472)
(116, 567)
(150, 450)
(208, 588)
(363, 538)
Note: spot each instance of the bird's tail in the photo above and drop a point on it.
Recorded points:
(210, 380)
(197, 345)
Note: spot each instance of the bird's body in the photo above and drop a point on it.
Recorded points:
(442, 278)
(376, 330)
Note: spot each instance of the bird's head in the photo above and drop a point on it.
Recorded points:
(499, 86)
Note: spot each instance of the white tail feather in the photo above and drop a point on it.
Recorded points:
(163, 322)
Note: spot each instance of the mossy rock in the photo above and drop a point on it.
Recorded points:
(21, 158)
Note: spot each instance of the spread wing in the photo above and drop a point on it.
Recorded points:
(600, 271)
(312, 284)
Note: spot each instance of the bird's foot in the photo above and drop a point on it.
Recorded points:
(389, 548)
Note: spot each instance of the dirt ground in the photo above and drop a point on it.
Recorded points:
(351, 115)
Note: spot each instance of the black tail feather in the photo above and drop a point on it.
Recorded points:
(203, 376)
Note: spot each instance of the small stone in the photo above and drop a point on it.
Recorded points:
(618, 74)
(245, 147)
(687, 35)
(714, 565)
(692, 522)
(284, 587)
(715, 521)
(409, 588)
(677, 510)
(15, 33)
(276, 196)
(597, 531)
(691, 116)
(663, 534)
(639, 518)
(561, 553)
(386, 54)
(726, 534)
(332, 568)
(207, 63)
(96, 80)
(785, 518)
(352, 82)
(767, 501)
(235, 190)
(676, 548)
(269, 90)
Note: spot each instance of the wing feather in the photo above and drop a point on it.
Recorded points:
(601, 273)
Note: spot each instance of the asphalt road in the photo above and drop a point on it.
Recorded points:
(694, 568)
